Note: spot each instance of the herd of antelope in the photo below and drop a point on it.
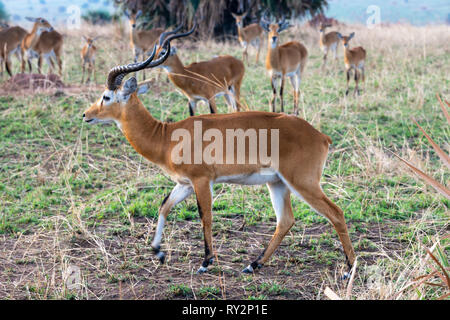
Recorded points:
(301, 148)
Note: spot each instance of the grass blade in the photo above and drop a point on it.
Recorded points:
(444, 109)
(444, 157)
(439, 187)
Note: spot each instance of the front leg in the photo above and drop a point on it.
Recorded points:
(281, 93)
(348, 80)
(192, 104)
(84, 69)
(202, 188)
(274, 90)
(212, 105)
(178, 194)
(325, 54)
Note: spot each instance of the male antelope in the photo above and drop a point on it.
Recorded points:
(354, 59)
(205, 80)
(328, 41)
(252, 33)
(302, 153)
(31, 39)
(284, 60)
(10, 44)
(88, 57)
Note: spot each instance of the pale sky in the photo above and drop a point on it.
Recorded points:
(412, 11)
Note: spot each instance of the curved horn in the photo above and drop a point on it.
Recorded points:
(179, 35)
(167, 33)
(117, 74)
(162, 58)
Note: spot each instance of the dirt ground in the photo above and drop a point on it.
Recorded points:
(121, 264)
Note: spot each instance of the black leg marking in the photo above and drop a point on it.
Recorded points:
(191, 111)
(165, 200)
(255, 264)
(199, 210)
(281, 94)
(161, 256)
(347, 274)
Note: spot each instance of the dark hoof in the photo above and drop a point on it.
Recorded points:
(202, 270)
(248, 270)
(346, 276)
(161, 256)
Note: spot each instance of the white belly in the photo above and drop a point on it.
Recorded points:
(262, 177)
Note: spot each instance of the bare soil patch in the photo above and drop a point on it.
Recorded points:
(118, 263)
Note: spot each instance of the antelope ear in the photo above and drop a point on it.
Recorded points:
(138, 14)
(234, 16)
(127, 14)
(351, 35)
(143, 89)
(84, 38)
(129, 87)
(339, 35)
(31, 19)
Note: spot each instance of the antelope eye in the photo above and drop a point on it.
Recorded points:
(106, 98)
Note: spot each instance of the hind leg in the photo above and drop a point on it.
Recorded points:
(295, 82)
(202, 188)
(281, 202)
(231, 102)
(258, 43)
(315, 197)
(8, 66)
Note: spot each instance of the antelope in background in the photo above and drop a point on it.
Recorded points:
(252, 33)
(50, 47)
(354, 59)
(10, 44)
(141, 41)
(328, 41)
(88, 57)
(302, 154)
(205, 80)
(288, 59)
(31, 39)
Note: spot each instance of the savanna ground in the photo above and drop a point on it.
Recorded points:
(78, 197)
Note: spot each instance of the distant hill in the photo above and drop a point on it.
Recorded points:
(413, 11)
